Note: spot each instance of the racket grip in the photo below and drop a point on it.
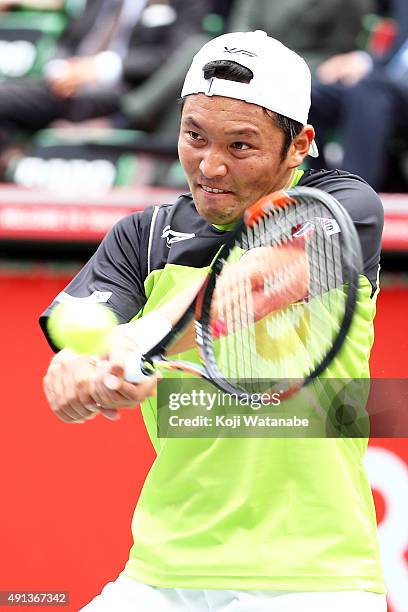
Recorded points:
(133, 368)
(145, 333)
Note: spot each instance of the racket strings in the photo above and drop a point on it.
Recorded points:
(281, 325)
(280, 296)
(232, 292)
(325, 257)
(326, 280)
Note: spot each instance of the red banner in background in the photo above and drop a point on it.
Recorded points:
(68, 491)
(32, 215)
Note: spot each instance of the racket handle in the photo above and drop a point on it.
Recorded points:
(134, 373)
(146, 333)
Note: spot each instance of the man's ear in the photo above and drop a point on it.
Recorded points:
(300, 146)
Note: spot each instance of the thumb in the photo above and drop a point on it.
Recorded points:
(115, 372)
(110, 413)
(110, 374)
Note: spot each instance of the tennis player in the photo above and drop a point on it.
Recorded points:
(231, 524)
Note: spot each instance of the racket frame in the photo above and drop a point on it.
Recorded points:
(352, 267)
(201, 306)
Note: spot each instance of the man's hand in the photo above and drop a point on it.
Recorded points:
(110, 389)
(67, 77)
(347, 68)
(78, 387)
(68, 384)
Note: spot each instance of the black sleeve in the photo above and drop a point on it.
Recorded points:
(115, 273)
(364, 207)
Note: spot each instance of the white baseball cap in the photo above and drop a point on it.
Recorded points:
(281, 81)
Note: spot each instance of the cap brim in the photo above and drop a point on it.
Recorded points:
(313, 150)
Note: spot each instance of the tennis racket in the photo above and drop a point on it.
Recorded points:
(278, 300)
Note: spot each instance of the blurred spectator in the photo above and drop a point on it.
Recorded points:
(43, 5)
(113, 47)
(151, 106)
(315, 29)
(365, 98)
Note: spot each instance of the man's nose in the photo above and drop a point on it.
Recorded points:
(213, 164)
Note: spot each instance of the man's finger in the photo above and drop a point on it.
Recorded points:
(111, 391)
(109, 413)
(73, 403)
(56, 394)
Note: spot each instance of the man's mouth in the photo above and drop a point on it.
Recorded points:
(213, 189)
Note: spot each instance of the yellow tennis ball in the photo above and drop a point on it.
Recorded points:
(81, 326)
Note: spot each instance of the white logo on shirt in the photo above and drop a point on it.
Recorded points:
(94, 297)
(172, 236)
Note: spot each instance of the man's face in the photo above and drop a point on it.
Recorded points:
(233, 147)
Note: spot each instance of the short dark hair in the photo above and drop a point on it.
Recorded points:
(232, 71)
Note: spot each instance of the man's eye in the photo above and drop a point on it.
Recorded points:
(194, 135)
(241, 146)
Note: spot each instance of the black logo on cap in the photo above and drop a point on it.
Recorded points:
(235, 51)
